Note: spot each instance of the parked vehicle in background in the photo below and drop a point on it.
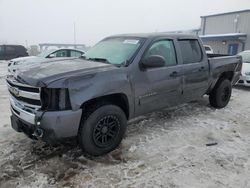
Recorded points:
(8, 52)
(208, 49)
(122, 77)
(19, 63)
(245, 73)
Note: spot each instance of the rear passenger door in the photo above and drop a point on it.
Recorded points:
(159, 87)
(195, 69)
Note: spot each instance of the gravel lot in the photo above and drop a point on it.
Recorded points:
(163, 149)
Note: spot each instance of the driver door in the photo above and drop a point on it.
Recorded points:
(159, 87)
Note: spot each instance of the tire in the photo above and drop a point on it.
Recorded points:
(102, 130)
(221, 94)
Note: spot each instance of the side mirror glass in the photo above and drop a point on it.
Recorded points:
(154, 61)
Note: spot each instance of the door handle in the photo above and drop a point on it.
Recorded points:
(201, 69)
(174, 74)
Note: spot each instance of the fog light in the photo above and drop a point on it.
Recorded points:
(39, 133)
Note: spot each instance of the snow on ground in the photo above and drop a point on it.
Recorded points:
(162, 149)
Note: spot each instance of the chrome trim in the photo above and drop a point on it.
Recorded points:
(34, 107)
(25, 94)
(23, 115)
(13, 81)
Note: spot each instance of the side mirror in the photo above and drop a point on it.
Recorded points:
(154, 61)
(52, 55)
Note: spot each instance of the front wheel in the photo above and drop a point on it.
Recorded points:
(102, 130)
(221, 94)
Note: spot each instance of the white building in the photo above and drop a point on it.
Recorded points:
(227, 33)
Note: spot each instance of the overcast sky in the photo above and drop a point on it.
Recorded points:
(46, 21)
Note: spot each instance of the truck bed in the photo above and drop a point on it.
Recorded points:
(219, 63)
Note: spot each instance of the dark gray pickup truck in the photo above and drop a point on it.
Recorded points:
(124, 76)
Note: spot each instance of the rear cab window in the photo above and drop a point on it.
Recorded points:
(190, 51)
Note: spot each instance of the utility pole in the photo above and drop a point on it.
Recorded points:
(74, 35)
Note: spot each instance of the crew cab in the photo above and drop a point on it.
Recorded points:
(121, 77)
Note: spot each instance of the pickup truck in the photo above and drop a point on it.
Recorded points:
(123, 76)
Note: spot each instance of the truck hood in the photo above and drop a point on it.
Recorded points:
(42, 75)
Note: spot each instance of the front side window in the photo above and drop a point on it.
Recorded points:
(190, 51)
(164, 48)
(115, 51)
(61, 53)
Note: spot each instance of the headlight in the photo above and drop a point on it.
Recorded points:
(19, 62)
(55, 99)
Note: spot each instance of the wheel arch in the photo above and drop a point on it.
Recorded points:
(224, 75)
(118, 99)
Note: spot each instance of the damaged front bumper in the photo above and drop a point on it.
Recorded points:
(50, 126)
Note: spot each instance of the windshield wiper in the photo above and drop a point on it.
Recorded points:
(103, 60)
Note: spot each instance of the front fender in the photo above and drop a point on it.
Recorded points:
(82, 90)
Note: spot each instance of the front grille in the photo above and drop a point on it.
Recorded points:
(15, 110)
(23, 88)
(27, 100)
(27, 95)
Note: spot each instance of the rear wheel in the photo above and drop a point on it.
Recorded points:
(102, 129)
(221, 94)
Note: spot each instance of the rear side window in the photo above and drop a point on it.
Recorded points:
(190, 51)
(75, 53)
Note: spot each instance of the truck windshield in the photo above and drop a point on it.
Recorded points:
(115, 51)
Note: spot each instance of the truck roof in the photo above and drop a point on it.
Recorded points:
(154, 35)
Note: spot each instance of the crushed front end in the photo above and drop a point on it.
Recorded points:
(43, 113)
